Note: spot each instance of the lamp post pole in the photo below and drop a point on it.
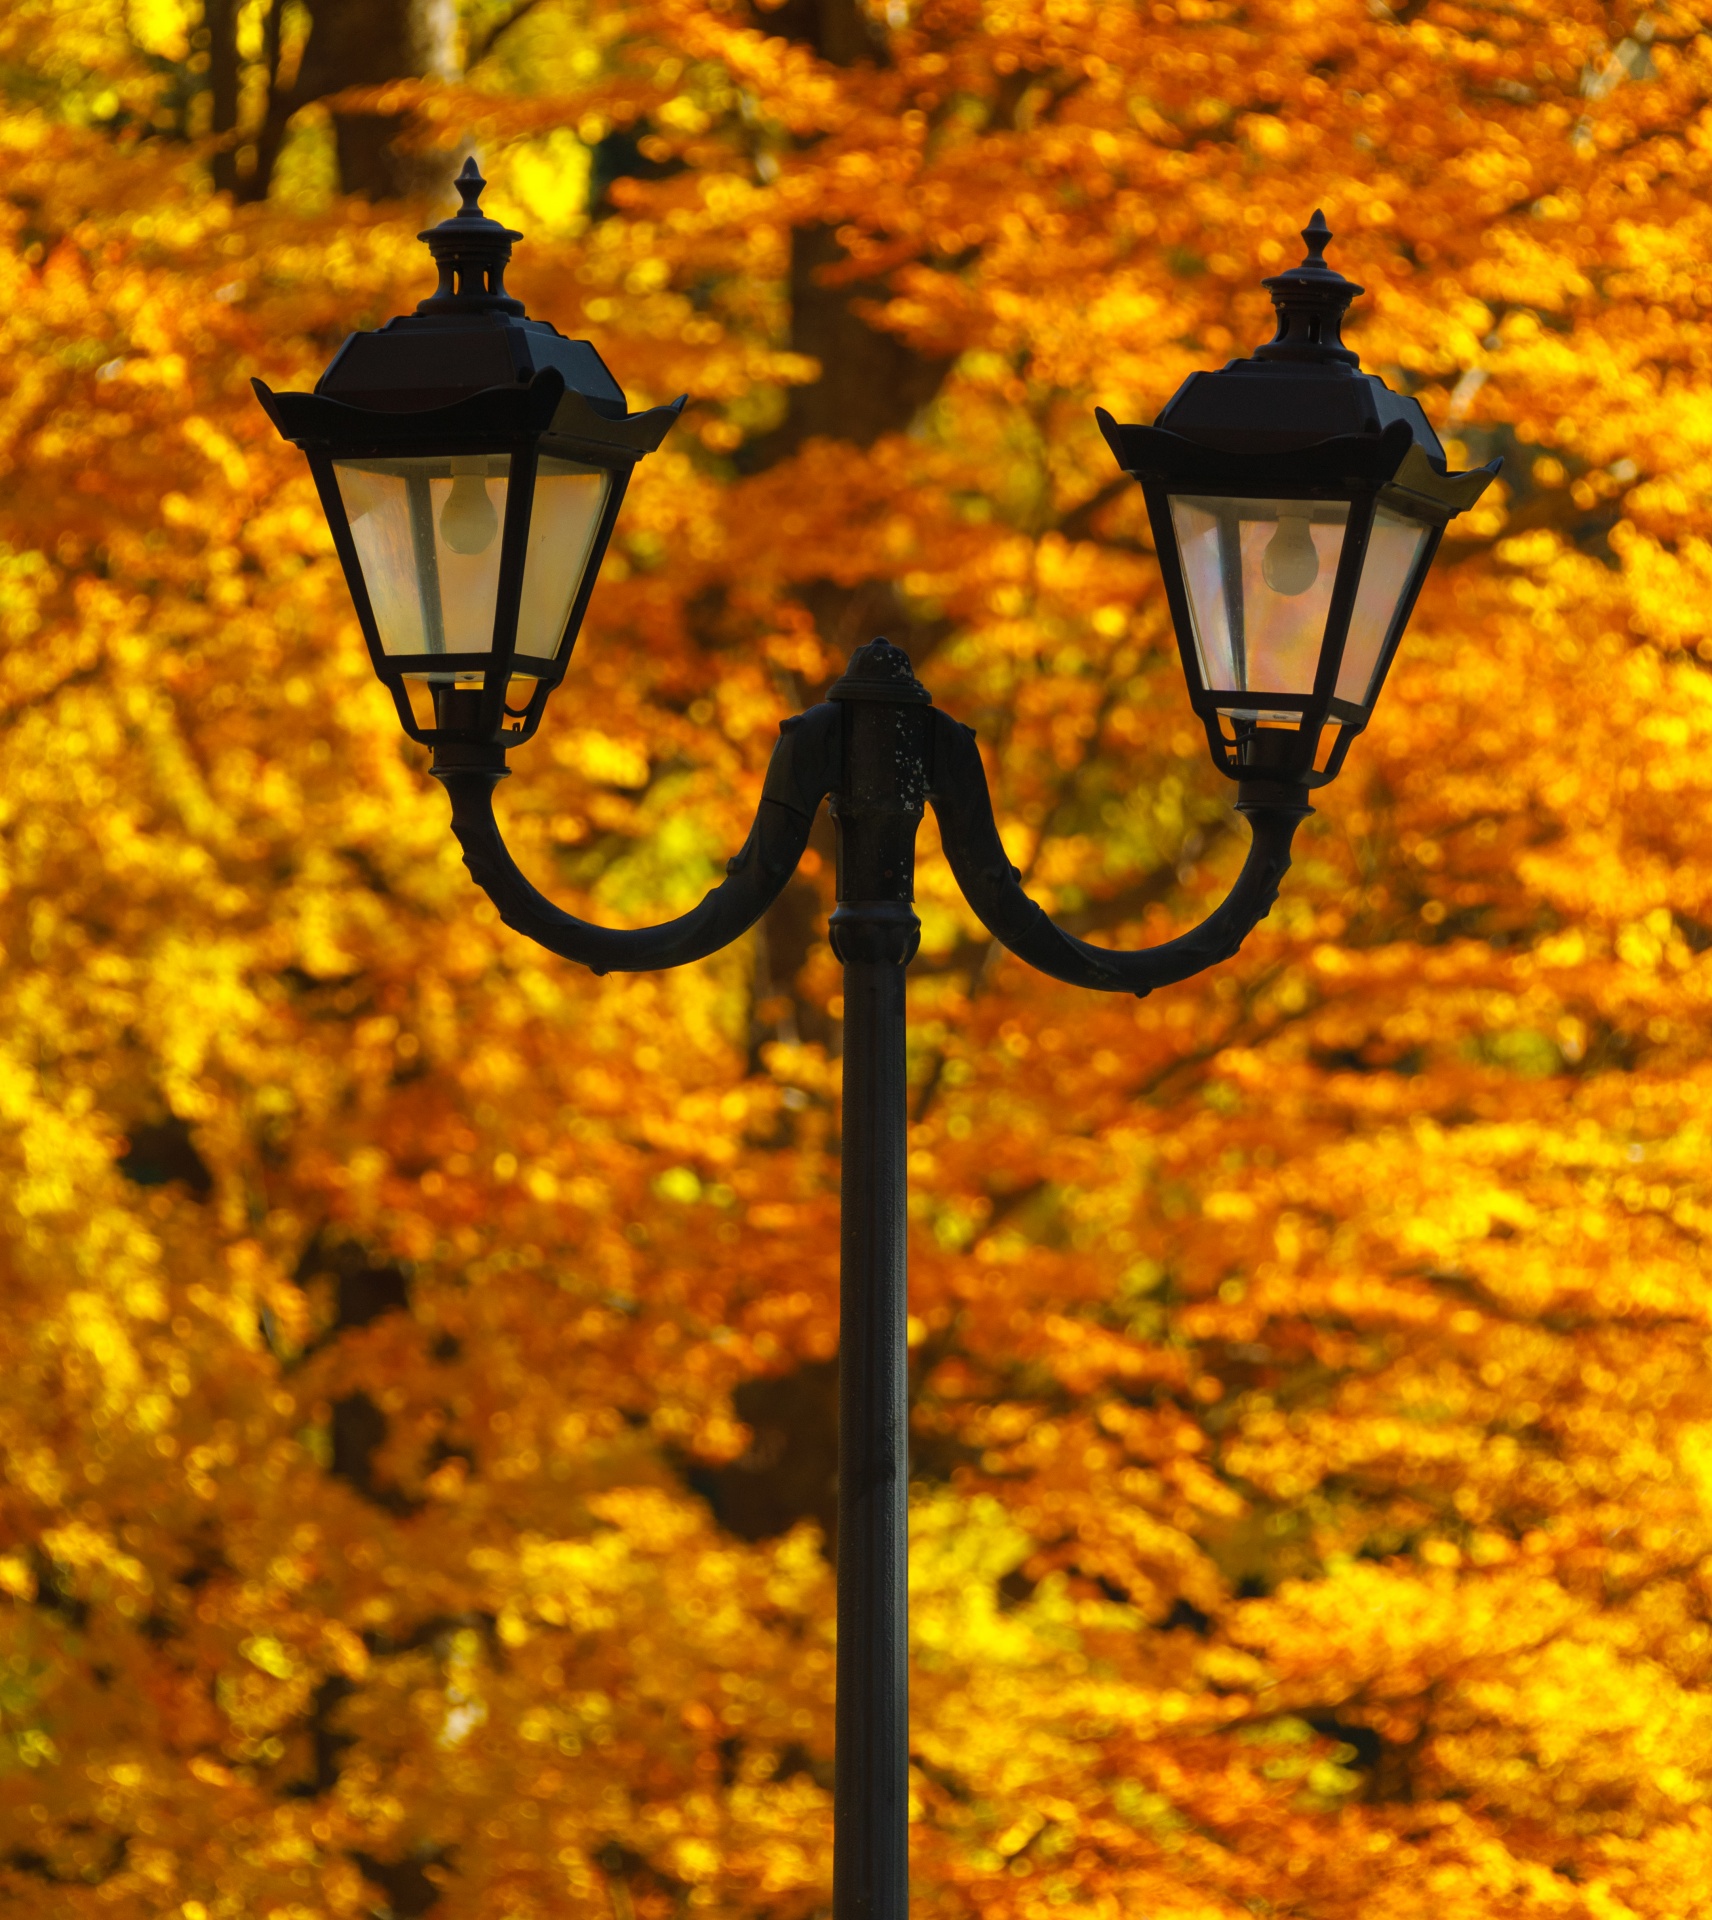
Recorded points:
(874, 930)
(1296, 504)
(882, 752)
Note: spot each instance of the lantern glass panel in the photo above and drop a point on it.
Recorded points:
(1259, 576)
(427, 533)
(569, 502)
(1394, 549)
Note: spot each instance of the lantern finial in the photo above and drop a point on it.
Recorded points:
(471, 252)
(471, 186)
(1311, 300)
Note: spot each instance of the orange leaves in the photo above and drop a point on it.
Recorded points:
(407, 1336)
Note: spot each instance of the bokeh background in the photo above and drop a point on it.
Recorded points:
(417, 1357)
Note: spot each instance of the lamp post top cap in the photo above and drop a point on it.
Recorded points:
(1311, 300)
(471, 252)
(879, 671)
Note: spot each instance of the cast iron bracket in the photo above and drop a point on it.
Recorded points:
(840, 749)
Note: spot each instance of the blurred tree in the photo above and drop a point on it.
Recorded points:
(334, 45)
(418, 1357)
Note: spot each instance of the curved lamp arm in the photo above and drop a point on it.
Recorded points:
(803, 770)
(970, 838)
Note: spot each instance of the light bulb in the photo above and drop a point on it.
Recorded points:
(468, 521)
(1290, 564)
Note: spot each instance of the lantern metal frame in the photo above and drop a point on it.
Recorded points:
(405, 392)
(1256, 429)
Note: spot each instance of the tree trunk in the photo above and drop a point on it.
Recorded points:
(352, 43)
(365, 43)
(871, 383)
(222, 23)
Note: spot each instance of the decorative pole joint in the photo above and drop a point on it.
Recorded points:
(880, 671)
(877, 930)
(887, 775)
(1273, 796)
(454, 757)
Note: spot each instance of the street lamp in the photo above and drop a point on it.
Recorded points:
(471, 463)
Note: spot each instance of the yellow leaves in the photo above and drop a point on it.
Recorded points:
(35, 1747)
(345, 1652)
(1387, 1622)
(220, 449)
(1562, 950)
(87, 1551)
(1234, 1208)
(679, 1184)
(1267, 133)
(1694, 1450)
(271, 1655)
(1643, 945)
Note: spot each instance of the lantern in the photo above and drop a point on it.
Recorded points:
(1296, 503)
(470, 462)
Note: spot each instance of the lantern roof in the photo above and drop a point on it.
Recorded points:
(1298, 411)
(468, 364)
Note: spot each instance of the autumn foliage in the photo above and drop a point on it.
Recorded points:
(416, 1366)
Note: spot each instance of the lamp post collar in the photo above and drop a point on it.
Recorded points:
(471, 252)
(880, 671)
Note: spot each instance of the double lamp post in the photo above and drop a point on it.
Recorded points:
(471, 463)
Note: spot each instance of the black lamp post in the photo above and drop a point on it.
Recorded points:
(471, 463)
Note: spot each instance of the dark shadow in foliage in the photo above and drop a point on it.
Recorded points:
(359, 1429)
(1388, 1765)
(791, 929)
(326, 1746)
(352, 43)
(648, 1889)
(363, 1289)
(1016, 1589)
(795, 1758)
(28, 1860)
(790, 1471)
(848, 617)
(406, 1884)
(1367, 1744)
(841, 31)
(52, 1596)
(871, 383)
(1532, 506)
(1185, 1616)
(620, 157)
(163, 1151)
